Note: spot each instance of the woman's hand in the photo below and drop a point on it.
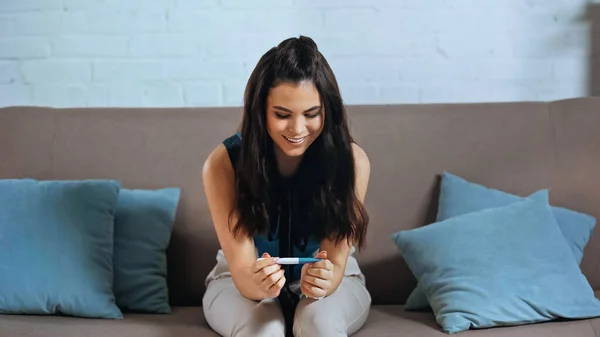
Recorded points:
(317, 278)
(268, 276)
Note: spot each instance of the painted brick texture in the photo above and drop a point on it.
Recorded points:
(67, 53)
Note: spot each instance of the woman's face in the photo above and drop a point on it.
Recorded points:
(294, 117)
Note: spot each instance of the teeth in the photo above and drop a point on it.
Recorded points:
(295, 140)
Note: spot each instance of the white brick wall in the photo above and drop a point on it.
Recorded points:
(200, 52)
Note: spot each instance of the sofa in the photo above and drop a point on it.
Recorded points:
(517, 147)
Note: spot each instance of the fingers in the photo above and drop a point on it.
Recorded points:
(317, 282)
(273, 284)
(321, 269)
(269, 276)
(317, 277)
(278, 285)
(324, 264)
(272, 279)
(312, 291)
(319, 273)
(260, 264)
(275, 289)
(268, 271)
(305, 269)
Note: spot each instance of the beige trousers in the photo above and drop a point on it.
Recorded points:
(230, 314)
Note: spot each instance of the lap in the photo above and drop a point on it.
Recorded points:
(228, 312)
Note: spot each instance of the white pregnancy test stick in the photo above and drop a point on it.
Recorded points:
(293, 260)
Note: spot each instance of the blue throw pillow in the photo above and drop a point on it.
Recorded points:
(459, 196)
(57, 247)
(498, 267)
(143, 225)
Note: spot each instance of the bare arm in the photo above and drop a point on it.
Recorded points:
(337, 254)
(247, 274)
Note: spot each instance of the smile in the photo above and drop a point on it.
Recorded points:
(295, 140)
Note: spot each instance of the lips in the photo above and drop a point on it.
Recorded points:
(295, 140)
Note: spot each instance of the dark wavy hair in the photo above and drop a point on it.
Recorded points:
(326, 177)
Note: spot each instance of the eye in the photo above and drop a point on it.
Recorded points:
(313, 115)
(280, 115)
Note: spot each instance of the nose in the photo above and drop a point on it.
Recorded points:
(296, 126)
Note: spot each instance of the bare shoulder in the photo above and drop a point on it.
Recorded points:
(218, 180)
(361, 160)
(363, 170)
(217, 165)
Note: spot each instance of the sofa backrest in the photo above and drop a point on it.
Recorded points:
(516, 147)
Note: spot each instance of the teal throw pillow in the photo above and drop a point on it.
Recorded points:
(459, 196)
(500, 266)
(143, 226)
(57, 247)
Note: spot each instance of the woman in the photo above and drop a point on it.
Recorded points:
(290, 183)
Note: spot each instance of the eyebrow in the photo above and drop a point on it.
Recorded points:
(290, 111)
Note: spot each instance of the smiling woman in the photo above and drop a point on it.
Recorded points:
(292, 126)
(291, 183)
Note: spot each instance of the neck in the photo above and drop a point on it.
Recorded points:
(286, 165)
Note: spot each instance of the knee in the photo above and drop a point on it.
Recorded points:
(264, 319)
(230, 314)
(311, 320)
(251, 328)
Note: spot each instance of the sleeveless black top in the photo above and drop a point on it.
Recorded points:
(287, 235)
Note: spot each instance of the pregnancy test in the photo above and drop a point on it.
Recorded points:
(293, 260)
